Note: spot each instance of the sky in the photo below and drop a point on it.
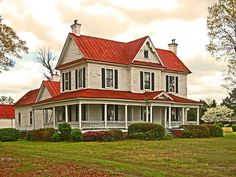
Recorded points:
(46, 23)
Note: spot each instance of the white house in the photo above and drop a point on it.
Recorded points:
(110, 84)
(7, 116)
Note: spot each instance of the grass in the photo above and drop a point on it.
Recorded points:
(179, 157)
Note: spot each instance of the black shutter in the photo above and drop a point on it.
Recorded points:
(116, 112)
(177, 84)
(76, 79)
(103, 77)
(63, 85)
(70, 80)
(76, 113)
(167, 83)
(141, 80)
(83, 77)
(103, 107)
(116, 79)
(83, 106)
(153, 82)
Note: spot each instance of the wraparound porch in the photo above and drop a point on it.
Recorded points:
(116, 115)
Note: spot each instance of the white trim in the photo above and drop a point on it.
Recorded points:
(163, 93)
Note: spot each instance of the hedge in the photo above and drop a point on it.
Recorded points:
(65, 130)
(215, 130)
(43, 134)
(195, 131)
(112, 135)
(146, 131)
(9, 134)
(234, 127)
(76, 135)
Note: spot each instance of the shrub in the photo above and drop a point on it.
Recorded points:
(146, 131)
(76, 135)
(56, 137)
(9, 134)
(220, 124)
(234, 127)
(215, 130)
(65, 130)
(195, 131)
(112, 135)
(43, 134)
(23, 134)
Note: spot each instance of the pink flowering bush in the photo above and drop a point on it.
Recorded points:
(112, 135)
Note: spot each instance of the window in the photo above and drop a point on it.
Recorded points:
(110, 112)
(80, 78)
(172, 84)
(19, 119)
(80, 74)
(31, 117)
(66, 81)
(145, 54)
(109, 78)
(147, 80)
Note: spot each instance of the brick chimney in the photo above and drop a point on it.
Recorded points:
(173, 46)
(75, 28)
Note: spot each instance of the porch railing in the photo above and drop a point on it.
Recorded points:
(176, 123)
(192, 122)
(116, 124)
(92, 124)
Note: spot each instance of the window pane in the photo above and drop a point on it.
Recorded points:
(109, 77)
(145, 54)
(147, 80)
(80, 78)
(110, 112)
(66, 81)
(171, 83)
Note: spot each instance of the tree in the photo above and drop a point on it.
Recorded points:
(217, 114)
(230, 101)
(46, 58)
(208, 103)
(11, 47)
(221, 24)
(6, 100)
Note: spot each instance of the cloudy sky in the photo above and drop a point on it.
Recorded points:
(47, 23)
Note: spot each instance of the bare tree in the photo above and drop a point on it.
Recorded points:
(47, 59)
(6, 100)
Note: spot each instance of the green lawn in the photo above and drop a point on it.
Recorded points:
(179, 157)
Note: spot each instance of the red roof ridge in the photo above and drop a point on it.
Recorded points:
(28, 99)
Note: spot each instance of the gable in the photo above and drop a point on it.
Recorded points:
(152, 54)
(70, 52)
(162, 96)
(43, 94)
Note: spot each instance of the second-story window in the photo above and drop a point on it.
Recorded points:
(31, 117)
(109, 78)
(80, 78)
(172, 84)
(66, 81)
(147, 80)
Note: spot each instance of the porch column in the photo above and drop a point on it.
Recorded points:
(126, 116)
(33, 112)
(165, 118)
(198, 116)
(147, 114)
(80, 117)
(151, 114)
(105, 115)
(54, 117)
(169, 116)
(66, 113)
(183, 116)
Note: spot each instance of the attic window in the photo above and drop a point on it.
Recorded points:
(145, 54)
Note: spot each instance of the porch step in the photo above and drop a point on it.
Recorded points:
(169, 132)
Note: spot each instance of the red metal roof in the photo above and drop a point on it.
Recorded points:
(28, 99)
(114, 94)
(7, 111)
(104, 50)
(53, 87)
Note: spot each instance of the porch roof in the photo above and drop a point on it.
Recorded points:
(122, 95)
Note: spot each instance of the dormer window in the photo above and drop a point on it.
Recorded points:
(145, 53)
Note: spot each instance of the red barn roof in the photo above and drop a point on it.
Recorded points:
(104, 50)
(7, 111)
